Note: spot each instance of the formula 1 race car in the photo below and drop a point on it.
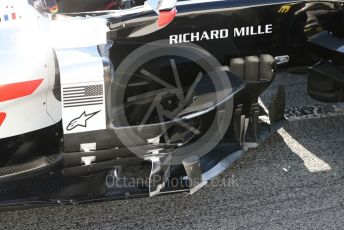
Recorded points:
(102, 102)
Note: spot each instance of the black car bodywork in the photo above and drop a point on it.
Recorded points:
(244, 41)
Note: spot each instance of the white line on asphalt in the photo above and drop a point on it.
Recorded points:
(311, 161)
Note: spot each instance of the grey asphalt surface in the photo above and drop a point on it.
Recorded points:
(294, 180)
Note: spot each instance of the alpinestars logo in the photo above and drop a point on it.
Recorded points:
(81, 121)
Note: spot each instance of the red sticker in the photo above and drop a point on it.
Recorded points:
(17, 90)
(165, 17)
(2, 118)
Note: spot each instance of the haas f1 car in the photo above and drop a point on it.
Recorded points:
(103, 102)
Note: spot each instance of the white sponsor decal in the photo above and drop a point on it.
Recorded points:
(83, 107)
(221, 34)
(82, 89)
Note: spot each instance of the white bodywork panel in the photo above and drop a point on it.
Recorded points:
(28, 41)
(24, 57)
(83, 93)
(27, 45)
(81, 73)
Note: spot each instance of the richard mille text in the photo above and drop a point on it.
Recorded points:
(221, 34)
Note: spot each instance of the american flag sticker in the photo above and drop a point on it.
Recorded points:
(83, 96)
(83, 107)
